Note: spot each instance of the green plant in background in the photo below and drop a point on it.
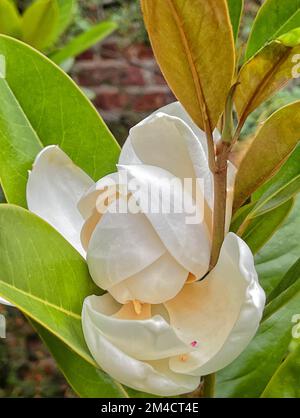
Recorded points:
(266, 206)
(43, 24)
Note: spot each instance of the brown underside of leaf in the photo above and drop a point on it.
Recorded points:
(197, 56)
(269, 149)
(266, 73)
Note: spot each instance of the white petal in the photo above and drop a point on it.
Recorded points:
(54, 188)
(152, 377)
(122, 245)
(242, 333)
(157, 283)
(167, 142)
(188, 243)
(176, 109)
(208, 311)
(5, 302)
(172, 143)
(88, 201)
(148, 339)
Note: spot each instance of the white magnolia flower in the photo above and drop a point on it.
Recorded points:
(159, 327)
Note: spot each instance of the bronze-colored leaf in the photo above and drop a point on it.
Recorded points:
(193, 44)
(269, 149)
(267, 72)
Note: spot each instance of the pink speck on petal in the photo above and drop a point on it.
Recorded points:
(194, 344)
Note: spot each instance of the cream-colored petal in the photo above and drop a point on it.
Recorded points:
(209, 310)
(108, 186)
(157, 192)
(167, 142)
(152, 377)
(5, 302)
(144, 339)
(180, 144)
(176, 109)
(54, 188)
(157, 283)
(242, 333)
(122, 245)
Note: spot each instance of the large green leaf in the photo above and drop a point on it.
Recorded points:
(281, 252)
(39, 23)
(55, 111)
(14, 126)
(235, 10)
(260, 229)
(288, 280)
(84, 41)
(275, 18)
(43, 275)
(52, 111)
(10, 20)
(284, 185)
(48, 280)
(85, 379)
(250, 374)
(285, 382)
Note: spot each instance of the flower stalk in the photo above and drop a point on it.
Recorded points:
(209, 385)
(220, 193)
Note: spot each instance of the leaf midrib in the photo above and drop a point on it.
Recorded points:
(286, 22)
(43, 301)
(256, 209)
(263, 84)
(196, 79)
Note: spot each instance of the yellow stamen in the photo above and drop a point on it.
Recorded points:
(183, 357)
(191, 278)
(137, 306)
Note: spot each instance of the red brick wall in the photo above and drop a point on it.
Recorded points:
(126, 81)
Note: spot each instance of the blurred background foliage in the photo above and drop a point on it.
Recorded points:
(26, 368)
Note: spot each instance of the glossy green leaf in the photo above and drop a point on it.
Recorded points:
(235, 10)
(84, 41)
(57, 112)
(28, 266)
(281, 252)
(10, 20)
(284, 185)
(270, 148)
(264, 74)
(274, 18)
(285, 382)
(288, 280)
(14, 165)
(193, 44)
(250, 374)
(39, 22)
(54, 111)
(85, 379)
(260, 229)
(48, 280)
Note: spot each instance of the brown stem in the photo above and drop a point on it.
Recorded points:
(209, 386)
(220, 194)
